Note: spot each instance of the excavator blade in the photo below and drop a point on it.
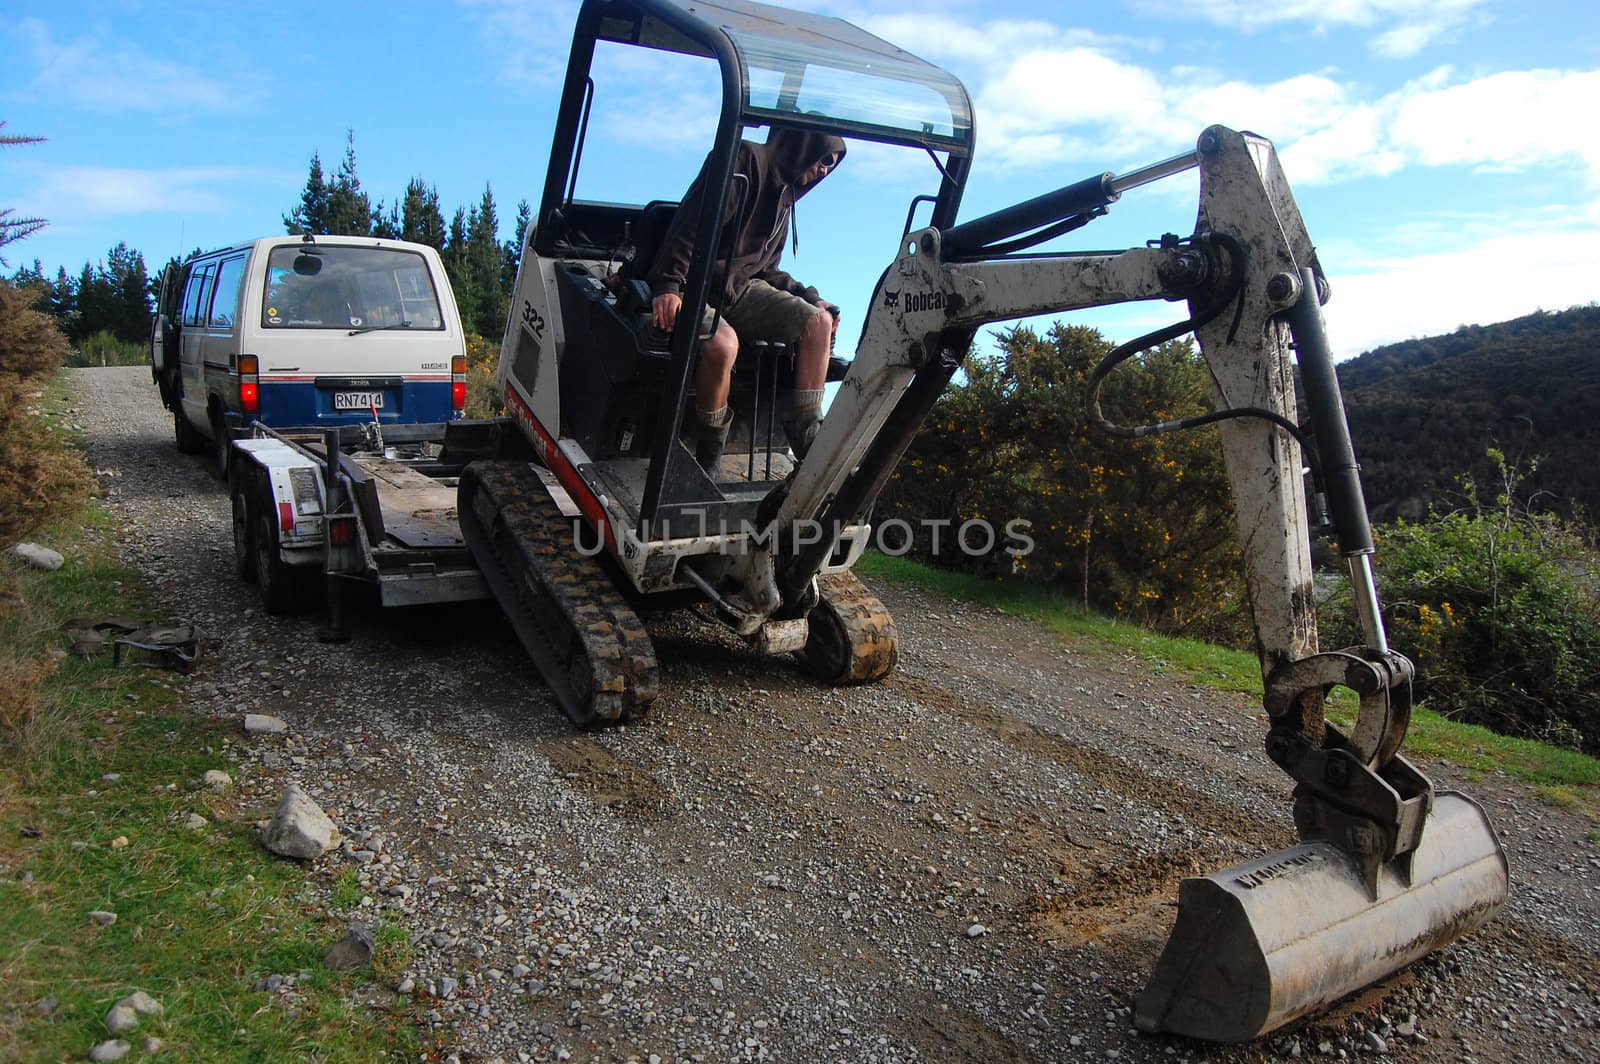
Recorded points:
(1264, 942)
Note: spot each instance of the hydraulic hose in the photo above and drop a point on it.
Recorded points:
(1234, 294)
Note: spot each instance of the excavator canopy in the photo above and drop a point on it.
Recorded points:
(787, 62)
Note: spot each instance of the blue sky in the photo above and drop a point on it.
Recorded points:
(1445, 153)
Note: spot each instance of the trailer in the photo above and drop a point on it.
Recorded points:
(319, 511)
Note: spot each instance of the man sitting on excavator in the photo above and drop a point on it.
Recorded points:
(758, 300)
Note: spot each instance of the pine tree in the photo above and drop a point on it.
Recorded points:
(484, 269)
(421, 221)
(455, 260)
(349, 209)
(128, 286)
(14, 229)
(386, 221)
(511, 256)
(311, 216)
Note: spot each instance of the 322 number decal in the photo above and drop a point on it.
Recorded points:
(532, 319)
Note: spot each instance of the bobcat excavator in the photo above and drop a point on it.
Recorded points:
(597, 510)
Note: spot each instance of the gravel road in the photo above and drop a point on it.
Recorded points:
(976, 859)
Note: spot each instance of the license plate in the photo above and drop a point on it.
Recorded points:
(357, 400)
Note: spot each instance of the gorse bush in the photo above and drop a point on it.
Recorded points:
(483, 386)
(37, 478)
(1500, 610)
(1141, 529)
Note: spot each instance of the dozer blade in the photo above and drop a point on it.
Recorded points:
(1264, 942)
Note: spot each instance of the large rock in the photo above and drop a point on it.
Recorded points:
(264, 724)
(299, 829)
(354, 950)
(37, 556)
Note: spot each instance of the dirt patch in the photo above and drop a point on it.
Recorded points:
(610, 781)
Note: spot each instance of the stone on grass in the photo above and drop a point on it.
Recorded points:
(142, 1003)
(37, 556)
(121, 1019)
(115, 1049)
(152, 1044)
(299, 829)
(103, 918)
(196, 822)
(264, 724)
(354, 950)
(217, 780)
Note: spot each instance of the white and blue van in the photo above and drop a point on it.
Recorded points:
(306, 332)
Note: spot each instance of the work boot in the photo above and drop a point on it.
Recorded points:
(710, 438)
(801, 420)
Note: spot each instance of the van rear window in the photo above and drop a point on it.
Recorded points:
(313, 286)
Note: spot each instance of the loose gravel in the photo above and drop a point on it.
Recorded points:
(976, 859)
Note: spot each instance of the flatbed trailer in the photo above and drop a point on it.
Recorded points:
(317, 511)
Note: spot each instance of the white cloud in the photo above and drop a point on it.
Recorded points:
(1548, 263)
(1028, 85)
(72, 194)
(1404, 27)
(530, 35)
(110, 76)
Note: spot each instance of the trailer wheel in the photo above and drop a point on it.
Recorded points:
(284, 588)
(221, 445)
(244, 558)
(189, 440)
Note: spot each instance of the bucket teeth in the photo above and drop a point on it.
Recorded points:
(1264, 942)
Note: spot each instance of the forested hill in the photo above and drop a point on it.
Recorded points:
(1425, 411)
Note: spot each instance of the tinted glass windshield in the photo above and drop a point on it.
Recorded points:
(313, 286)
(785, 76)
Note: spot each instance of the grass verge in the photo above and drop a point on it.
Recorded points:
(1560, 776)
(100, 772)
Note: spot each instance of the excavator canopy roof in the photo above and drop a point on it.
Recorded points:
(789, 62)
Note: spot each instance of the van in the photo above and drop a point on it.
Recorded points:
(306, 332)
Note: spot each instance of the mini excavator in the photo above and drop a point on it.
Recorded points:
(1388, 868)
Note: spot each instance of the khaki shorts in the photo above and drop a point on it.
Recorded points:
(763, 312)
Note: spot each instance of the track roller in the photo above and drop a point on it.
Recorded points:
(586, 641)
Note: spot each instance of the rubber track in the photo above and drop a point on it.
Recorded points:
(571, 618)
(869, 633)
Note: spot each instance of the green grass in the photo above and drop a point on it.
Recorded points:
(1561, 776)
(202, 915)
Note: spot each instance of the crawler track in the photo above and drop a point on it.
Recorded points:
(852, 635)
(583, 637)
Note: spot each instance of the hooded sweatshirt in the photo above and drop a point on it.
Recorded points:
(776, 171)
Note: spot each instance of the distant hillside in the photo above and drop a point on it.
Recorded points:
(1425, 411)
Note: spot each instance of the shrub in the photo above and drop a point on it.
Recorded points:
(1143, 529)
(37, 478)
(105, 348)
(1500, 610)
(483, 388)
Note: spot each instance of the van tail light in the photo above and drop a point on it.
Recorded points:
(458, 383)
(249, 385)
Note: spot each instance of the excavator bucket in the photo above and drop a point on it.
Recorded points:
(1270, 940)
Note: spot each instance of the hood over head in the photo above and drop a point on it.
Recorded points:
(794, 151)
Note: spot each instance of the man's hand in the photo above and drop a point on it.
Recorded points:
(664, 310)
(833, 312)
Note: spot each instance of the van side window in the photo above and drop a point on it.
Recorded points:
(196, 293)
(225, 301)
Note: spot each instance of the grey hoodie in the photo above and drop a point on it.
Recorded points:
(776, 171)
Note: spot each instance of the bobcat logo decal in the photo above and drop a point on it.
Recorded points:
(891, 299)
